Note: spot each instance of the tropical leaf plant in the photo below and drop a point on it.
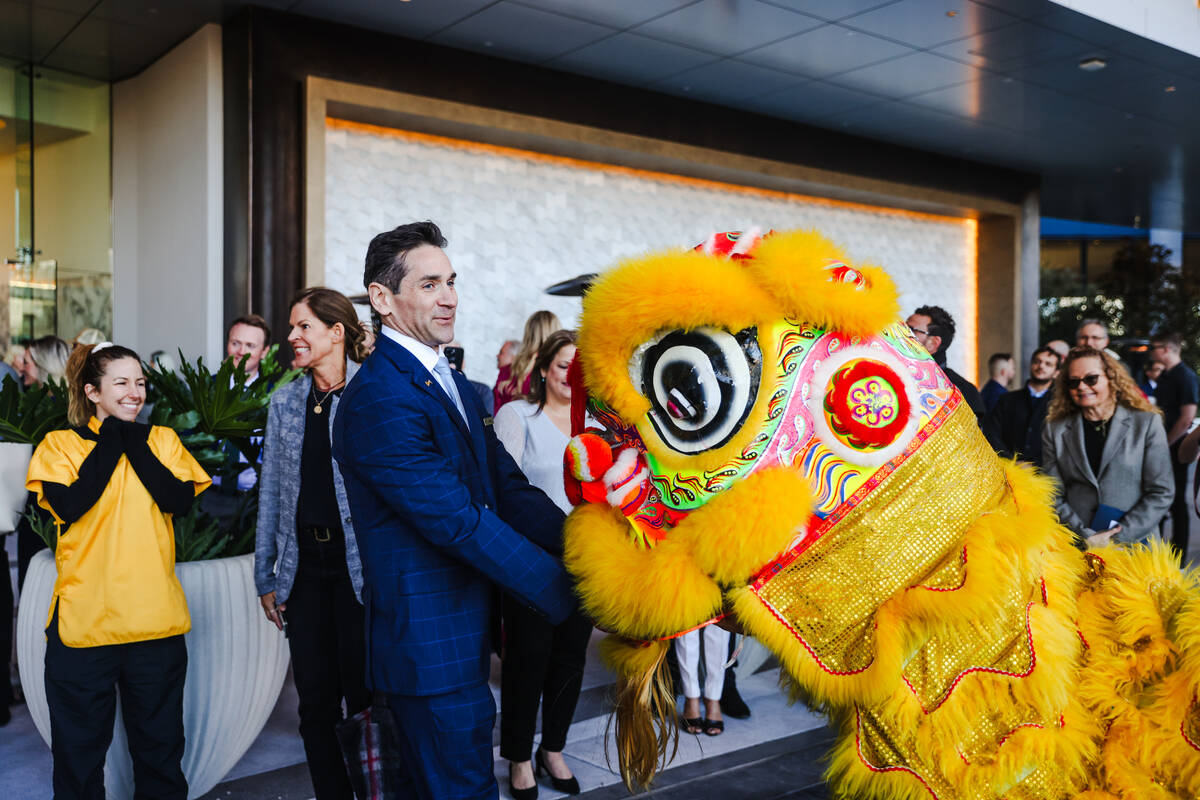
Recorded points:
(212, 412)
(198, 536)
(218, 416)
(27, 416)
(43, 525)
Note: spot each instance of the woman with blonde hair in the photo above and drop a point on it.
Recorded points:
(118, 613)
(45, 359)
(517, 381)
(306, 564)
(1105, 445)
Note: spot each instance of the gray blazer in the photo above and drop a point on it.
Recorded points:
(276, 552)
(1135, 473)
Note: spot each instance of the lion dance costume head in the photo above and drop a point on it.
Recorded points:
(779, 448)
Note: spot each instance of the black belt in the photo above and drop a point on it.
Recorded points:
(322, 534)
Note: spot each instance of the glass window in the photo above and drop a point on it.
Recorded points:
(18, 309)
(72, 194)
(55, 201)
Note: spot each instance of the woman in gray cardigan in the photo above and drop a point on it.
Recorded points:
(306, 564)
(1106, 447)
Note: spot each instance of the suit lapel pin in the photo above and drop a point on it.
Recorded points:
(429, 383)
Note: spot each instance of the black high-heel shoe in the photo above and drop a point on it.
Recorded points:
(522, 794)
(565, 785)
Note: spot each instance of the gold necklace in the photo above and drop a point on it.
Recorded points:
(321, 402)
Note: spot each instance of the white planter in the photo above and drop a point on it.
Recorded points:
(14, 464)
(237, 662)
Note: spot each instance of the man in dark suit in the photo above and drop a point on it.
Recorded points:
(1014, 426)
(440, 513)
(934, 328)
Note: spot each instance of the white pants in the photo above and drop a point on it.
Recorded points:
(716, 653)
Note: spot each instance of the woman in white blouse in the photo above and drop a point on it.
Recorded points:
(541, 661)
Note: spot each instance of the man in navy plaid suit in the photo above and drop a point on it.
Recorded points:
(440, 513)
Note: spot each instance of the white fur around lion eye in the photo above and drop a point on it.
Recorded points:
(701, 384)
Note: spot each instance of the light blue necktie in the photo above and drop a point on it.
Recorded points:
(442, 370)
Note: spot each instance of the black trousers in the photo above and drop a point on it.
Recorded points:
(541, 662)
(325, 635)
(81, 690)
(1180, 513)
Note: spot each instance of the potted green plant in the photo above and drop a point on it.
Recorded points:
(236, 660)
(25, 417)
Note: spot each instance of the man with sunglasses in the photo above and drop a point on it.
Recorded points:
(1014, 425)
(933, 327)
(1177, 394)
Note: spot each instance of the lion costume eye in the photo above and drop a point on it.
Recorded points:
(701, 384)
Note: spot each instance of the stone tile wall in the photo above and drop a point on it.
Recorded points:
(519, 223)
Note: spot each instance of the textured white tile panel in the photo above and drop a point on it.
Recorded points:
(517, 225)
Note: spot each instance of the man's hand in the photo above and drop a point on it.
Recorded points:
(1101, 538)
(1189, 448)
(273, 611)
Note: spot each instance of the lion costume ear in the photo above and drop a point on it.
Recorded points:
(810, 279)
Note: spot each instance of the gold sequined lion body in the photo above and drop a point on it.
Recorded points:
(786, 452)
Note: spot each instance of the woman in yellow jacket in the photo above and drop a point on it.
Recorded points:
(118, 614)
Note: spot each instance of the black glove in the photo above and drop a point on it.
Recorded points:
(172, 495)
(73, 501)
(133, 433)
(110, 429)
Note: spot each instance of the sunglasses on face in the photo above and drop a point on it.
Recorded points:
(1090, 380)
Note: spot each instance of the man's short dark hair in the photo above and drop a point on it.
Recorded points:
(254, 321)
(1048, 351)
(1168, 337)
(940, 324)
(386, 262)
(996, 358)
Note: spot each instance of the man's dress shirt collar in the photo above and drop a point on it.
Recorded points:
(427, 355)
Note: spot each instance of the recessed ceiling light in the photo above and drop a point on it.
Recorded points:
(1169, 89)
(1092, 64)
